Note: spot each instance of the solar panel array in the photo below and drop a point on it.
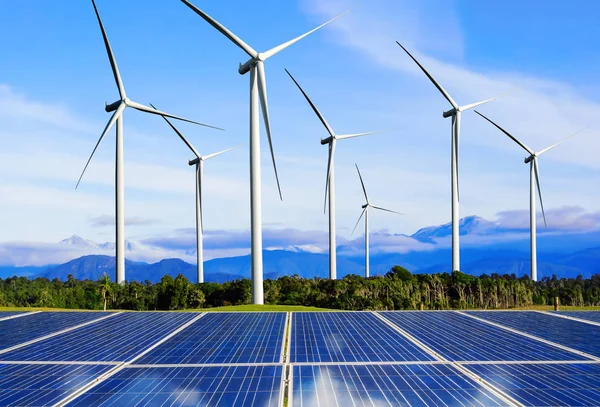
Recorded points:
(440, 358)
(593, 316)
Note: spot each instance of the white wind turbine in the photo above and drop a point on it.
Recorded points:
(455, 113)
(199, 163)
(258, 88)
(365, 212)
(534, 179)
(118, 107)
(330, 182)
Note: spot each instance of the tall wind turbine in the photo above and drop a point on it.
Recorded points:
(199, 163)
(330, 182)
(455, 113)
(118, 107)
(534, 179)
(365, 212)
(258, 88)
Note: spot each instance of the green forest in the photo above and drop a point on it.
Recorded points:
(398, 289)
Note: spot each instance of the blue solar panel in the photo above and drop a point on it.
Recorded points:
(43, 385)
(6, 314)
(23, 329)
(348, 337)
(545, 384)
(249, 337)
(118, 338)
(574, 334)
(386, 385)
(593, 316)
(258, 386)
(459, 337)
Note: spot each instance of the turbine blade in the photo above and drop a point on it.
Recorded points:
(232, 37)
(530, 151)
(181, 136)
(143, 108)
(387, 210)
(358, 221)
(537, 181)
(435, 83)
(275, 50)
(206, 157)
(262, 92)
(314, 108)
(560, 142)
(362, 183)
(472, 105)
(111, 57)
(110, 123)
(331, 146)
(343, 136)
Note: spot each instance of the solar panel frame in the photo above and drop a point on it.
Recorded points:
(458, 337)
(592, 316)
(325, 337)
(118, 338)
(232, 337)
(10, 314)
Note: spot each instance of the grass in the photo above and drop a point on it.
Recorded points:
(264, 308)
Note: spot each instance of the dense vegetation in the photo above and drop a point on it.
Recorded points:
(398, 289)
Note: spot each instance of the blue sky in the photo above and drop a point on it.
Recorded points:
(56, 78)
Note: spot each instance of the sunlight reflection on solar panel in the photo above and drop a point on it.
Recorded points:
(258, 386)
(593, 316)
(5, 314)
(458, 337)
(43, 385)
(386, 385)
(545, 385)
(348, 337)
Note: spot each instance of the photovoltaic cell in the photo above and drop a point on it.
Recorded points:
(258, 386)
(118, 338)
(574, 334)
(43, 385)
(593, 316)
(4, 314)
(545, 384)
(23, 329)
(348, 337)
(386, 385)
(457, 337)
(248, 337)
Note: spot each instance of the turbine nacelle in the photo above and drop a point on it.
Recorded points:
(113, 106)
(194, 161)
(528, 159)
(449, 113)
(327, 140)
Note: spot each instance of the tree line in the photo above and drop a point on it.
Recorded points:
(398, 289)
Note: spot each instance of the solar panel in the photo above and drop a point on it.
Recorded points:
(23, 329)
(249, 337)
(348, 337)
(574, 334)
(43, 385)
(118, 338)
(258, 386)
(545, 384)
(458, 337)
(6, 314)
(386, 385)
(593, 316)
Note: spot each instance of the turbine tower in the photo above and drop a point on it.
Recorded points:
(455, 113)
(118, 107)
(330, 181)
(534, 180)
(258, 89)
(199, 163)
(365, 212)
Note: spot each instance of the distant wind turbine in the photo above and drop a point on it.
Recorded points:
(455, 113)
(258, 88)
(199, 163)
(118, 107)
(534, 179)
(330, 181)
(365, 212)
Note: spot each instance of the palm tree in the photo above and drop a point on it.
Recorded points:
(104, 287)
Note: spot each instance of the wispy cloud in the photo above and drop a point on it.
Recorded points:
(109, 220)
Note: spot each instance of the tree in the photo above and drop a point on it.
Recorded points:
(104, 286)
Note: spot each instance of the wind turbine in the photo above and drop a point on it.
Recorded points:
(365, 212)
(199, 163)
(258, 88)
(118, 107)
(455, 113)
(330, 182)
(534, 179)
